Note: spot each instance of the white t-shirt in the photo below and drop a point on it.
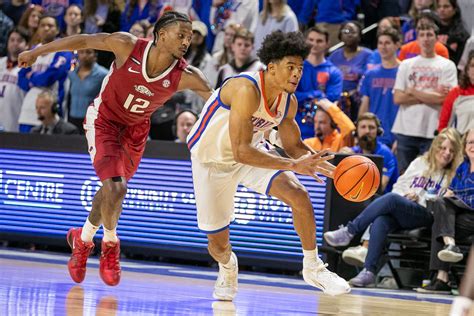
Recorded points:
(11, 97)
(424, 74)
(414, 181)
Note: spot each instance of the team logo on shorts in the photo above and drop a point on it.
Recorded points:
(144, 90)
(166, 83)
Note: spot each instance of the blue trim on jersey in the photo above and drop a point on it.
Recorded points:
(288, 99)
(214, 231)
(222, 85)
(271, 181)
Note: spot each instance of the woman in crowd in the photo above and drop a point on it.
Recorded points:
(276, 15)
(29, 22)
(352, 60)
(458, 107)
(409, 28)
(453, 220)
(405, 207)
(225, 55)
(452, 32)
(73, 21)
(101, 16)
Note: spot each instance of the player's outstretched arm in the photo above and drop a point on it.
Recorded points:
(120, 43)
(193, 79)
(244, 99)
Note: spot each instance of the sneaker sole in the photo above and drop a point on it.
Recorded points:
(448, 256)
(371, 285)
(323, 289)
(334, 245)
(422, 290)
(226, 298)
(353, 261)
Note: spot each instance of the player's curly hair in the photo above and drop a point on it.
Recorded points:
(279, 45)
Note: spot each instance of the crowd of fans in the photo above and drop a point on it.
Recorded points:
(388, 92)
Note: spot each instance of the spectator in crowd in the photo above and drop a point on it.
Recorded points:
(368, 131)
(467, 12)
(15, 9)
(242, 47)
(352, 61)
(225, 12)
(421, 85)
(6, 25)
(49, 71)
(11, 96)
(467, 49)
(333, 15)
(138, 29)
(412, 49)
(85, 81)
(458, 107)
(375, 12)
(73, 21)
(388, 22)
(184, 121)
(182, 6)
(462, 304)
(47, 111)
(453, 220)
(198, 56)
(377, 84)
(145, 11)
(409, 27)
(225, 55)
(405, 206)
(57, 8)
(304, 10)
(276, 15)
(321, 79)
(332, 127)
(29, 22)
(101, 16)
(452, 32)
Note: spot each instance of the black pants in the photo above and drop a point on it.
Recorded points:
(452, 218)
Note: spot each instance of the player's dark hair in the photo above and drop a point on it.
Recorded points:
(166, 19)
(278, 45)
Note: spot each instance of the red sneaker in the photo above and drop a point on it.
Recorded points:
(80, 252)
(109, 263)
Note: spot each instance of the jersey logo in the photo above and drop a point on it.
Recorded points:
(166, 83)
(144, 90)
(133, 71)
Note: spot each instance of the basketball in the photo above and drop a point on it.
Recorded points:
(356, 178)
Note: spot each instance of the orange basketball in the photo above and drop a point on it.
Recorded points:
(356, 178)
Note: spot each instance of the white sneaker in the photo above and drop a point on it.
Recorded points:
(225, 288)
(355, 256)
(317, 275)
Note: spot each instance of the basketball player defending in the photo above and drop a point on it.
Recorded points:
(227, 149)
(145, 75)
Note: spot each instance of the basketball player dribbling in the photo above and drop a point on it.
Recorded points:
(227, 149)
(144, 75)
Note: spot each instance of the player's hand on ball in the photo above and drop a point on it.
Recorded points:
(26, 59)
(312, 163)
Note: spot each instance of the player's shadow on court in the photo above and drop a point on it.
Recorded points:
(75, 303)
(221, 308)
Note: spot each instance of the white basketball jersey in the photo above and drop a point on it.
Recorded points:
(209, 139)
(11, 97)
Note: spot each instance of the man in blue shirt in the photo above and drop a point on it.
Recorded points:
(321, 79)
(86, 81)
(368, 129)
(377, 85)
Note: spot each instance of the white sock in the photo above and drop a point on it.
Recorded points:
(88, 231)
(110, 235)
(310, 256)
(230, 264)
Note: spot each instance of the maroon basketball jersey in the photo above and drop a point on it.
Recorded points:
(128, 95)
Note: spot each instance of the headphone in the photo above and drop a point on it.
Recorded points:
(369, 116)
(55, 108)
(175, 122)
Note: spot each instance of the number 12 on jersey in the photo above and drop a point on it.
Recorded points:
(138, 105)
